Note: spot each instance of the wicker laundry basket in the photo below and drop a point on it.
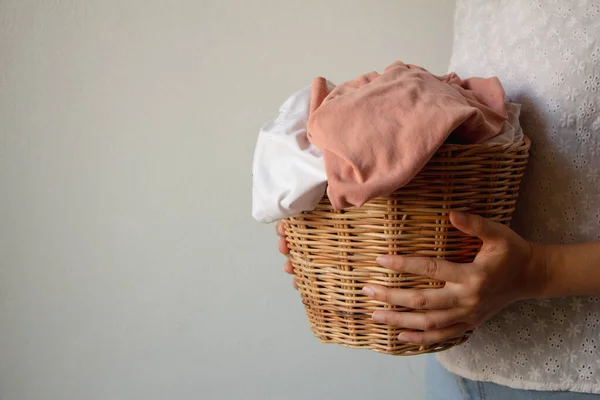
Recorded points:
(333, 252)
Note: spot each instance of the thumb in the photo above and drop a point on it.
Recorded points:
(475, 225)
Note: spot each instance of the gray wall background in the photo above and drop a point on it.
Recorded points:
(130, 267)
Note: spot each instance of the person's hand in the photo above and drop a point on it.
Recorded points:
(283, 249)
(507, 269)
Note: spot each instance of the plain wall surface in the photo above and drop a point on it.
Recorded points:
(130, 266)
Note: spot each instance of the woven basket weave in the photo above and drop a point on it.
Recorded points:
(333, 252)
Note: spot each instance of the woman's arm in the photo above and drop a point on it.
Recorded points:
(570, 269)
(507, 269)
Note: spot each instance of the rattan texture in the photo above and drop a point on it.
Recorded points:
(333, 252)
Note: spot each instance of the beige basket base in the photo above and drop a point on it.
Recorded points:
(357, 333)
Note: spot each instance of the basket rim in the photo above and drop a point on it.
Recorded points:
(526, 141)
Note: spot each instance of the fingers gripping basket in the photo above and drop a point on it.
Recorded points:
(333, 252)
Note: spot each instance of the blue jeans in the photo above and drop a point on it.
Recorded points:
(444, 385)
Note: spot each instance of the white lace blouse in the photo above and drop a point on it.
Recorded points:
(547, 55)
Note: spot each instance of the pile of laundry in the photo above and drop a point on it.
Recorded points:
(370, 136)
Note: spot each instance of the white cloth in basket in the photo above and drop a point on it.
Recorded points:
(511, 129)
(288, 173)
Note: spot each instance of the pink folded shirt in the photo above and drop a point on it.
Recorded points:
(379, 130)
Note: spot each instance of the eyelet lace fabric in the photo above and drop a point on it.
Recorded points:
(547, 55)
